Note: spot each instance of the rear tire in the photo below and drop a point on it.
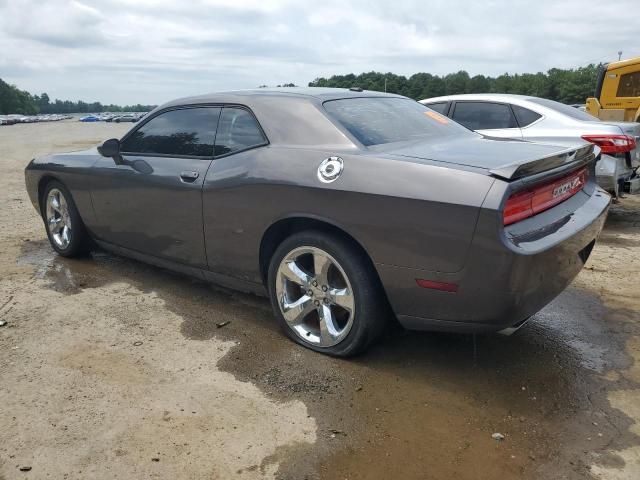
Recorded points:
(326, 294)
(65, 230)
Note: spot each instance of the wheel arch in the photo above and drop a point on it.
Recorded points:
(285, 227)
(42, 186)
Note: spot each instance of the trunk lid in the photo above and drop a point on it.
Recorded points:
(505, 158)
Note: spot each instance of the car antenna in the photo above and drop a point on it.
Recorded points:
(356, 89)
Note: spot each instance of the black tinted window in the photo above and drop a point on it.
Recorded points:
(189, 131)
(439, 107)
(524, 115)
(374, 121)
(629, 85)
(237, 130)
(567, 110)
(484, 115)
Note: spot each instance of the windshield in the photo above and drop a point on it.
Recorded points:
(377, 120)
(567, 110)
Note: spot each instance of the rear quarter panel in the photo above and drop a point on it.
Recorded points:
(403, 213)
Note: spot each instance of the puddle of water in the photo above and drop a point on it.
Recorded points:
(63, 275)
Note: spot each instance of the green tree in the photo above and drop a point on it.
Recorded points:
(478, 84)
(564, 85)
(456, 83)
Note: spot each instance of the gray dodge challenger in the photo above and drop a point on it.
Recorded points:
(347, 208)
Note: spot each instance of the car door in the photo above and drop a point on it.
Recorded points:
(230, 213)
(153, 202)
(487, 118)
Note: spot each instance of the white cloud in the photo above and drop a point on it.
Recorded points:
(150, 51)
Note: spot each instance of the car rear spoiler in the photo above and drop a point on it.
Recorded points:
(570, 156)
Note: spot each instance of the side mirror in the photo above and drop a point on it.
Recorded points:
(110, 148)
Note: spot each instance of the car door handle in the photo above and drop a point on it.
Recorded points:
(189, 177)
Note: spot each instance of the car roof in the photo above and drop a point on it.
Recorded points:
(257, 94)
(527, 101)
(506, 97)
(290, 116)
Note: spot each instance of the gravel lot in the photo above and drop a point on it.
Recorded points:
(113, 369)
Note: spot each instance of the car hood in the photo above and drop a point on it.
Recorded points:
(505, 158)
(87, 151)
(77, 157)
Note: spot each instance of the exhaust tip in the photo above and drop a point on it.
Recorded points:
(514, 328)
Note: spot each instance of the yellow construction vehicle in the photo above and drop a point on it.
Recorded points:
(617, 96)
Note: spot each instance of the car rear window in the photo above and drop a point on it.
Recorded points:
(378, 120)
(567, 110)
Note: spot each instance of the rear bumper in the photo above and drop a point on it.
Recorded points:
(610, 171)
(508, 276)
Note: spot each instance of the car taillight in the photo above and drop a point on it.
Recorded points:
(527, 203)
(612, 143)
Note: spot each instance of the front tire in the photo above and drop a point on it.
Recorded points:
(326, 294)
(62, 221)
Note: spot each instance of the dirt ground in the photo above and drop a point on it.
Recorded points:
(110, 368)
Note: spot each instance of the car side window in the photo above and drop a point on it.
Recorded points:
(185, 131)
(440, 107)
(237, 130)
(524, 115)
(484, 115)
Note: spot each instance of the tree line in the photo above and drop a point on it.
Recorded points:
(14, 100)
(563, 85)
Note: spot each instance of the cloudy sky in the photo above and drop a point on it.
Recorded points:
(130, 51)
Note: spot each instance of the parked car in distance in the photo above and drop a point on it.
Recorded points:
(19, 118)
(16, 118)
(125, 118)
(342, 206)
(89, 118)
(539, 119)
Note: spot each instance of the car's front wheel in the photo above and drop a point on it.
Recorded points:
(65, 229)
(326, 294)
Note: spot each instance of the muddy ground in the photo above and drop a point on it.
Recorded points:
(110, 368)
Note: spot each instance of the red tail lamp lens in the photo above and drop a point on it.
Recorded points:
(612, 143)
(527, 203)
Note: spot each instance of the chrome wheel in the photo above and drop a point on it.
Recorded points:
(315, 296)
(58, 218)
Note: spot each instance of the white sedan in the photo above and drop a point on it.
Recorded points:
(539, 119)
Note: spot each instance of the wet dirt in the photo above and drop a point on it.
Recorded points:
(563, 390)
